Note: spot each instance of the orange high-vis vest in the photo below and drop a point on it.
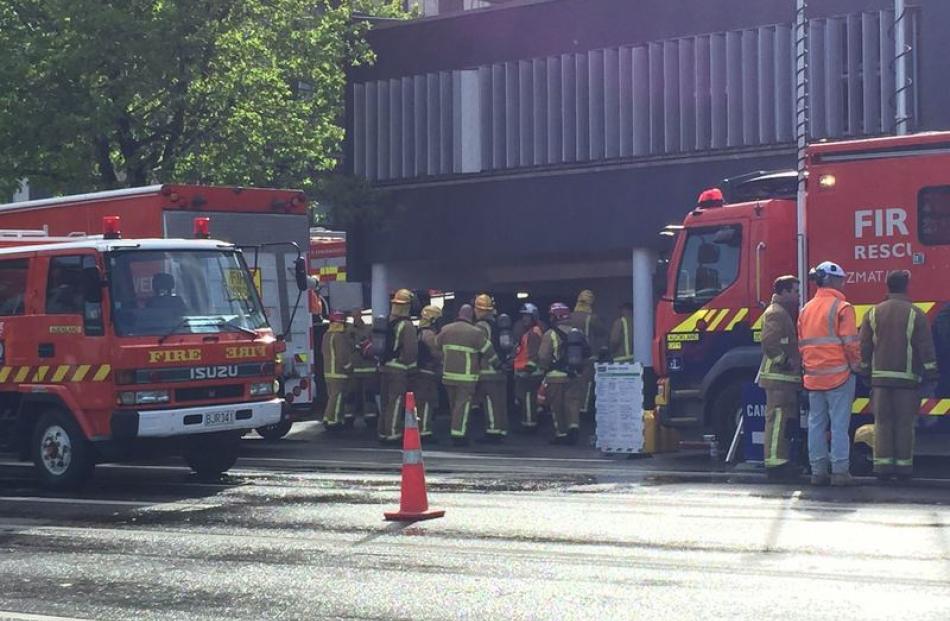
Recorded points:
(828, 340)
(522, 357)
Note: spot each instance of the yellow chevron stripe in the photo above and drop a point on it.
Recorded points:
(739, 317)
(942, 407)
(102, 373)
(40, 374)
(758, 322)
(4, 374)
(689, 324)
(21, 375)
(60, 373)
(859, 404)
(714, 322)
(80, 373)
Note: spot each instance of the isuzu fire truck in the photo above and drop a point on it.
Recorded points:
(93, 365)
(271, 226)
(872, 206)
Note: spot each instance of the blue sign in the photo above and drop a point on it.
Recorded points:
(753, 424)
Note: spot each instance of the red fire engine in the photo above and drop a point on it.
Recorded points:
(872, 206)
(271, 226)
(106, 343)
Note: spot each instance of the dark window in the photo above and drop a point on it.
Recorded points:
(13, 287)
(709, 265)
(933, 215)
(64, 287)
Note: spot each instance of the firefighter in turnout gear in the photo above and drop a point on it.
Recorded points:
(897, 352)
(399, 360)
(465, 348)
(364, 381)
(425, 381)
(492, 390)
(584, 319)
(564, 388)
(621, 335)
(528, 374)
(780, 375)
(337, 348)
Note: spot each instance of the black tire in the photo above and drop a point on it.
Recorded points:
(212, 454)
(725, 413)
(62, 456)
(275, 432)
(862, 460)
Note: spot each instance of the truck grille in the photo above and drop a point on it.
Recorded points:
(206, 393)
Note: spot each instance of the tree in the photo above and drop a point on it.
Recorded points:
(98, 94)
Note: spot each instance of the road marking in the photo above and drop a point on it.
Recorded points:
(9, 615)
(78, 501)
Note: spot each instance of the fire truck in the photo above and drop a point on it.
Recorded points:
(94, 365)
(271, 226)
(872, 206)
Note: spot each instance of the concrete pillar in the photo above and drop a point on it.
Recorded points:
(643, 262)
(379, 291)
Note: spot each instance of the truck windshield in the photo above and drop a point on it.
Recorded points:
(163, 292)
(709, 264)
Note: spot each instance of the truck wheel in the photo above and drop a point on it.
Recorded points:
(862, 460)
(212, 454)
(726, 410)
(62, 457)
(275, 432)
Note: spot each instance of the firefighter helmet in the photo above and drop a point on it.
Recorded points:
(431, 313)
(529, 309)
(403, 296)
(484, 302)
(559, 311)
(337, 316)
(585, 297)
(710, 198)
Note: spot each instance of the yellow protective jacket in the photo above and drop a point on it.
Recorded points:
(621, 339)
(897, 347)
(337, 349)
(781, 361)
(551, 352)
(464, 347)
(405, 345)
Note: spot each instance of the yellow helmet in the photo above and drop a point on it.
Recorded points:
(403, 296)
(484, 302)
(585, 297)
(430, 313)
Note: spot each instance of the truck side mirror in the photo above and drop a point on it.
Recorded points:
(660, 276)
(300, 273)
(92, 285)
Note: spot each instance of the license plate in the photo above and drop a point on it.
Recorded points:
(218, 419)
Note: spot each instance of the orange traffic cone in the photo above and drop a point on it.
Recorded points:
(413, 503)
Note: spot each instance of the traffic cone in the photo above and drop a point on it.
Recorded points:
(413, 502)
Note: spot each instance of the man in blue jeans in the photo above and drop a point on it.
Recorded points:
(828, 340)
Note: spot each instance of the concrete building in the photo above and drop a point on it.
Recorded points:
(540, 146)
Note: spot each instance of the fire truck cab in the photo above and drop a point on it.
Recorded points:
(872, 206)
(107, 344)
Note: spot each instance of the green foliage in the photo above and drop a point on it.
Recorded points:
(344, 202)
(98, 94)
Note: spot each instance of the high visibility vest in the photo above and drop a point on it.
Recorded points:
(627, 355)
(521, 358)
(826, 334)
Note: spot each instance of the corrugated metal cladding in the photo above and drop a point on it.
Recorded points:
(676, 96)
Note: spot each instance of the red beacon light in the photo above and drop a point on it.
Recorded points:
(111, 227)
(203, 228)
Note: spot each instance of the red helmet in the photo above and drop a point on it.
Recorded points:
(559, 311)
(337, 317)
(711, 198)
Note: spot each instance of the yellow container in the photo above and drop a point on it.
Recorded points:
(651, 435)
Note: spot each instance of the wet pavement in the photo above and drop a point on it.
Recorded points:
(296, 532)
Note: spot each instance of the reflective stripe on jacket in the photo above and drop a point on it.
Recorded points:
(549, 356)
(463, 348)
(337, 349)
(828, 340)
(781, 362)
(897, 347)
(405, 345)
(621, 340)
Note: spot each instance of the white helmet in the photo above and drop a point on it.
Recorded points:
(831, 269)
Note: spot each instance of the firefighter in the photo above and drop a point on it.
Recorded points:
(492, 390)
(897, 351)
(364, 381)
(337, 348)
(621, 335)
(584, 319)
(425, 381)
(399, 360)
(828, 341)
(528, 374)
(780, 375)
(563, 386)
(464, 350)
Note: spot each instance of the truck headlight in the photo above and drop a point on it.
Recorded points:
(262, 389)
(143, 397)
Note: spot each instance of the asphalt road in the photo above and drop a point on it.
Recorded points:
(570, 536)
